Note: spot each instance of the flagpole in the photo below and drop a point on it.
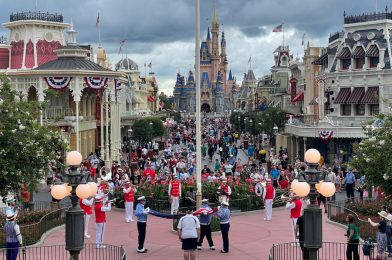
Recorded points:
(283, 33)
(145, 69)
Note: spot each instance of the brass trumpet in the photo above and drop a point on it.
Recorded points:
(284, 198)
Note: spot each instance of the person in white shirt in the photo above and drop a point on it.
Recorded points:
(144, 151)
(188, 230)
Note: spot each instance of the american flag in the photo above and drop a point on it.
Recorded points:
(121, 45)
(97, 22)
(149, 64)
(278, 28)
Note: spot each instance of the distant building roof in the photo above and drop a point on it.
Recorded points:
(71, 63)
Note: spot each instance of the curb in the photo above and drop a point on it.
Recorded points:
(47, 233)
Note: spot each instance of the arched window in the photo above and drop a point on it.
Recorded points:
(359, 57)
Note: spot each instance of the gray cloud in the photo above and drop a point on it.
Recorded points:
(163, 30)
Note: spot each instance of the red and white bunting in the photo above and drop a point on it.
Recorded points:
(58, 82)
(95, 82)
(117, 84)
(325, 135)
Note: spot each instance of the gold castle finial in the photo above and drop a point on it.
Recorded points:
(215, 18)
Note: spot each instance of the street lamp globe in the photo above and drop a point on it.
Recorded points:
(275, 129)
(74, 158)
(302, 189)
(293, 184)
(312, 156)
(83, 191)
(59, 191)
(327, 189)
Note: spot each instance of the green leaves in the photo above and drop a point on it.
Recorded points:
(147, 128)
(26, 147)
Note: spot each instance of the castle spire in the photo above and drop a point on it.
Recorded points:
(208, 34)
(215, 20)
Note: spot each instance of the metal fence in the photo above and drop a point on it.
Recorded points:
(58, 252)
(328, 251)
(41, 205)
(32, 233)
(337, 212)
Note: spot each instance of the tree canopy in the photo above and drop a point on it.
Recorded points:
(373, 155)
(26, 147)
(143, 131)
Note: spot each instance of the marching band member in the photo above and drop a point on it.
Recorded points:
(224, 190)
(223, 214)
(141, 214)
(268, 197)
(129, 197)
(295, 206)
(100, 209)
(86, 205)
(174, 194)
(205, 226)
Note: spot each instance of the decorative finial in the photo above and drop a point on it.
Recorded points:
(344, 14)
(386, 9)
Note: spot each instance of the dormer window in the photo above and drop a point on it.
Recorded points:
(283, 60)
(373, 56)
(359, 57)
(345, 58)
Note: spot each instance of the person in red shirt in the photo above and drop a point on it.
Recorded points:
(283, 182)
(87, 207)
(25, 195)
(295, 207)
(149, 172)
(129, 198)
(174, 194)
(224, 190)
(100, 210)
(268, 197)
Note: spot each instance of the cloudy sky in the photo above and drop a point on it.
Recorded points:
(162, 31)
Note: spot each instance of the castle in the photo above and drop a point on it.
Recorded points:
(218, 86)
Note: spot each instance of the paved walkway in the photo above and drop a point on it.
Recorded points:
(250, 236)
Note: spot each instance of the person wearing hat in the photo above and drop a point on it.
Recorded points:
(224, 190)
(188, 230)
(174, 192)
(349, 181)
(100, 210)
(141, 214)
(295, 207)
(381, 234)
(87, 206)
(205, 226)
(268, 198)
(149, 172)
(11, 203)
(13, 236)
(223, 214)
(129, 197)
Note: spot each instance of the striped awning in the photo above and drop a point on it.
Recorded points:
(321, 60)
(371, 96)
(358, 53)
(372, 51)
(343, 95)
(298, 97)
(313, 102)
(345, 53)
(356, 96)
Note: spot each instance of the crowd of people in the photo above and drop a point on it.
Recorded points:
(226, 154)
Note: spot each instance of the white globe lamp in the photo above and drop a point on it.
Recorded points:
(93, 188)
(302, 189)
(74, 158)
(312, 156)
(58, 191)
(327, 189)
(83, 191)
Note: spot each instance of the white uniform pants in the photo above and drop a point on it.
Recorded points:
(128, 210)
(293, 224)
(175, 204)
(268, 208)
(100, 233)
(86, 221)
(223, 198)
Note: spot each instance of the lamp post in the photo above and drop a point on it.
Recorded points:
(275, 131)
(251, 130)
(307, 184)
(260, 135)
(239, 123)
(129, 146)
(77, 187)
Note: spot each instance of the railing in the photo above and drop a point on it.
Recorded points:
(329, 250)
(36, 16)
(335, 36)
(42, 205)
(337, 212)
(58, 252)
(367, 17)
(32, 233)
(3, 40)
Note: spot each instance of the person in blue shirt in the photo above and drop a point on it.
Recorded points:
(223, 214)
(349, 181)
(275, 176)
(251, 151)
(141, 214)
(205, 226)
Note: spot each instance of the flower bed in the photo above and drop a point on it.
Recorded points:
(242, 198)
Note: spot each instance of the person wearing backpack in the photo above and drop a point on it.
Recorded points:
(352, 239)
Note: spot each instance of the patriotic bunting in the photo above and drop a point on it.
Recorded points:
(325, 135)
(58, 82)
(95, 82)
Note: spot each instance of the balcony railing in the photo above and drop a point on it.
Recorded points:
(58, 252)
(36, 16)
(329, 250)
(367, 17)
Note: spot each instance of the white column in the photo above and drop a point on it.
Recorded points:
(304, 145)
(41, 98)
(77, 124)
(24, 49)
(112, 131)
(101, 100)
(107, 159)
